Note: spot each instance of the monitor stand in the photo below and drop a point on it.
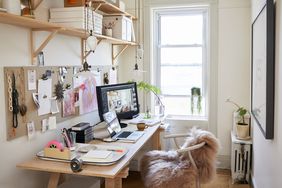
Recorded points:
(123, 125)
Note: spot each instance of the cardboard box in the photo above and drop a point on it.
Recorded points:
(74, 3)
(122, 28)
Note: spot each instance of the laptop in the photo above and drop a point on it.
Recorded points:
(115, 129)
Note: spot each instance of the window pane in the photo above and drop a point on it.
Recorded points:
(188, 55)
(182, 29)
(182, 106)
(178, 80)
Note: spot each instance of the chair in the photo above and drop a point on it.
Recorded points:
(191, 164)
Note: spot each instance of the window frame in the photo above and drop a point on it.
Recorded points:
(158, 13)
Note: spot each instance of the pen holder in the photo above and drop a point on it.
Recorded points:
(57, 153)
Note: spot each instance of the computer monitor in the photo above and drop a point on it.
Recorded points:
(121, 98)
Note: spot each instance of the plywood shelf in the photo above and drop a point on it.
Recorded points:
(34, 24)
(110, 9)
(37, 25)
(114, 40)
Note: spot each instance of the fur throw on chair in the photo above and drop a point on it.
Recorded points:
(161, 169)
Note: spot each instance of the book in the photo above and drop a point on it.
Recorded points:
(80, 126)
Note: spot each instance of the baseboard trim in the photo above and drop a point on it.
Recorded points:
(224, 161)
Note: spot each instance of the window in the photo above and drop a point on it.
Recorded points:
(180, 47)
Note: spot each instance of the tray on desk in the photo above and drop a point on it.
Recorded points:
(111, 159)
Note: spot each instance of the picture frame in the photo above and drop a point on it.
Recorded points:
(263, 69)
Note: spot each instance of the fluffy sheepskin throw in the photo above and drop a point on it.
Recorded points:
(161, 169)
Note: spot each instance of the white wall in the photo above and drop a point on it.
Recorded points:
(267, 154)
(15, 51)
(233, 64)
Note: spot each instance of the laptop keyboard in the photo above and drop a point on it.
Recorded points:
(124, 134)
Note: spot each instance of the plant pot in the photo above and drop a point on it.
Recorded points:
(109, 32)
(242, 131)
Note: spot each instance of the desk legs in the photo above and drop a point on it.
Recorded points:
(113, 183)
(54, 180)
(117, 181)
(156, 140)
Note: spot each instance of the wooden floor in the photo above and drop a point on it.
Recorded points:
(222, 180)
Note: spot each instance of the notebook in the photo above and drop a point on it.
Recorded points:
(115, 129)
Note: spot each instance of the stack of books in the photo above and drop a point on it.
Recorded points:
(76, 17)
(84, 132)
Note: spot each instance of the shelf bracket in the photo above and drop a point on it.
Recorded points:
(114, 57)
(97, 8)
(43, 44)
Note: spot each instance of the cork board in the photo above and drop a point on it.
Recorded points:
(25, 97)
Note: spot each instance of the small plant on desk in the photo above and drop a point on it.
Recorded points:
(155, 90)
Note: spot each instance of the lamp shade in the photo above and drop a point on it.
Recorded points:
(91, 43)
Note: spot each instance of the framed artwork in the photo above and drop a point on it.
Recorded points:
(263, 69)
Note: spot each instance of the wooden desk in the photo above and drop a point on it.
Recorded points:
(113, 174)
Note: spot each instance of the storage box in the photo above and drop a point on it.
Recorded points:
(122, 28)
(75, 17)
(74, 3)
(57, 154)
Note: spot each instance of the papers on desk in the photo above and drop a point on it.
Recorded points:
(140, 119)
(99, 154)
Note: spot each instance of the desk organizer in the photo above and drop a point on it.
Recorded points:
(57, 153)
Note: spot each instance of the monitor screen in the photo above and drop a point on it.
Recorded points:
(121, 98)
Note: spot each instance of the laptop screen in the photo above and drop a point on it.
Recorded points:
(112, 121)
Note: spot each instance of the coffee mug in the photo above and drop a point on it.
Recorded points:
(141, 126)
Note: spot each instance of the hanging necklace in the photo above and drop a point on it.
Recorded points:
(22, 106)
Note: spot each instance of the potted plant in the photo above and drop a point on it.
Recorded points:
(156, 91)
(241, 118)
(196, 99)
(109, 28)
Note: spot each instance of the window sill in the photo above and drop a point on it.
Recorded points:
(187, 118)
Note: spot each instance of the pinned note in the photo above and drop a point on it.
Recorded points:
(30, 130)
(52, 123)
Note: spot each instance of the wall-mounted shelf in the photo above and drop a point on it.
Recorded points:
(37, 25)
(109, 9)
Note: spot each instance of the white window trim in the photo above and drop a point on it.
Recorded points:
(149, 59)
(157, 47)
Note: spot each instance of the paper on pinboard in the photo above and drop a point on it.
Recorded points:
(44, 125)
(54, 106)
(113, 76)
(97, 75)
(31, 84)
(52, 123)
(44, 96)
(87, 95)
(30, 130)
(69, 103)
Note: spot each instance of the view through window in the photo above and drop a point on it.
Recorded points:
(182, 60)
